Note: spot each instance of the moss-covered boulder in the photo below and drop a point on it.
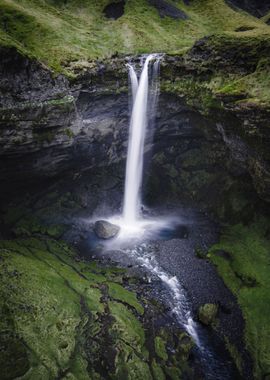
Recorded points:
(207, 313)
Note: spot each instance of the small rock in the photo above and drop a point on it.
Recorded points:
(105, 230)
(207, 313)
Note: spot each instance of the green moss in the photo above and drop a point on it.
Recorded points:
(126, 326)
(252, 88)
(28, 226)
(62, 317)
(160, 348)
(200, 253)
(196, 92)
(158, 374)
(246, 273)
(118, 293)
(185, 346)
(207, 313)
(235, 355)
(174, 373)
(130, 366)
(37, 293)
(51, 305)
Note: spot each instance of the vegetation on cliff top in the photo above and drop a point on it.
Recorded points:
(59, 33)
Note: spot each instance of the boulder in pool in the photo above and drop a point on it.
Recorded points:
(105, 230)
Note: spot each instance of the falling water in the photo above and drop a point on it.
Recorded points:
(137, 131)
(134, 82)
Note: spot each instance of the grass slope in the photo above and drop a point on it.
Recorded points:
(59, 32)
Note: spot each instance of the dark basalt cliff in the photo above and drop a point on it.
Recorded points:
(209, 142)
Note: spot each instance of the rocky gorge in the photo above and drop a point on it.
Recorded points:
(70, 309)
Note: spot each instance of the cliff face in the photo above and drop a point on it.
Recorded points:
(50, 125)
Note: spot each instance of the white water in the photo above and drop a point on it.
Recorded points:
(134, 82)
(137, 131)
(179, 304)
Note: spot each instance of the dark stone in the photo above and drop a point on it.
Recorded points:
(257, 8)
(166, 9)
(115, 10)
(106, 230)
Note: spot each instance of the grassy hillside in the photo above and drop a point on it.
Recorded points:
(61, 32)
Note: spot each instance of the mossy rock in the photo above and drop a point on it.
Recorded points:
(207, 313)
(160, 348)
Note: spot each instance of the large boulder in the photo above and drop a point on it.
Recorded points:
(207, 313)
(105, 230)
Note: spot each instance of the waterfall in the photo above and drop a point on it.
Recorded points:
(137, 132)
(145, 93)
(134, 82)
